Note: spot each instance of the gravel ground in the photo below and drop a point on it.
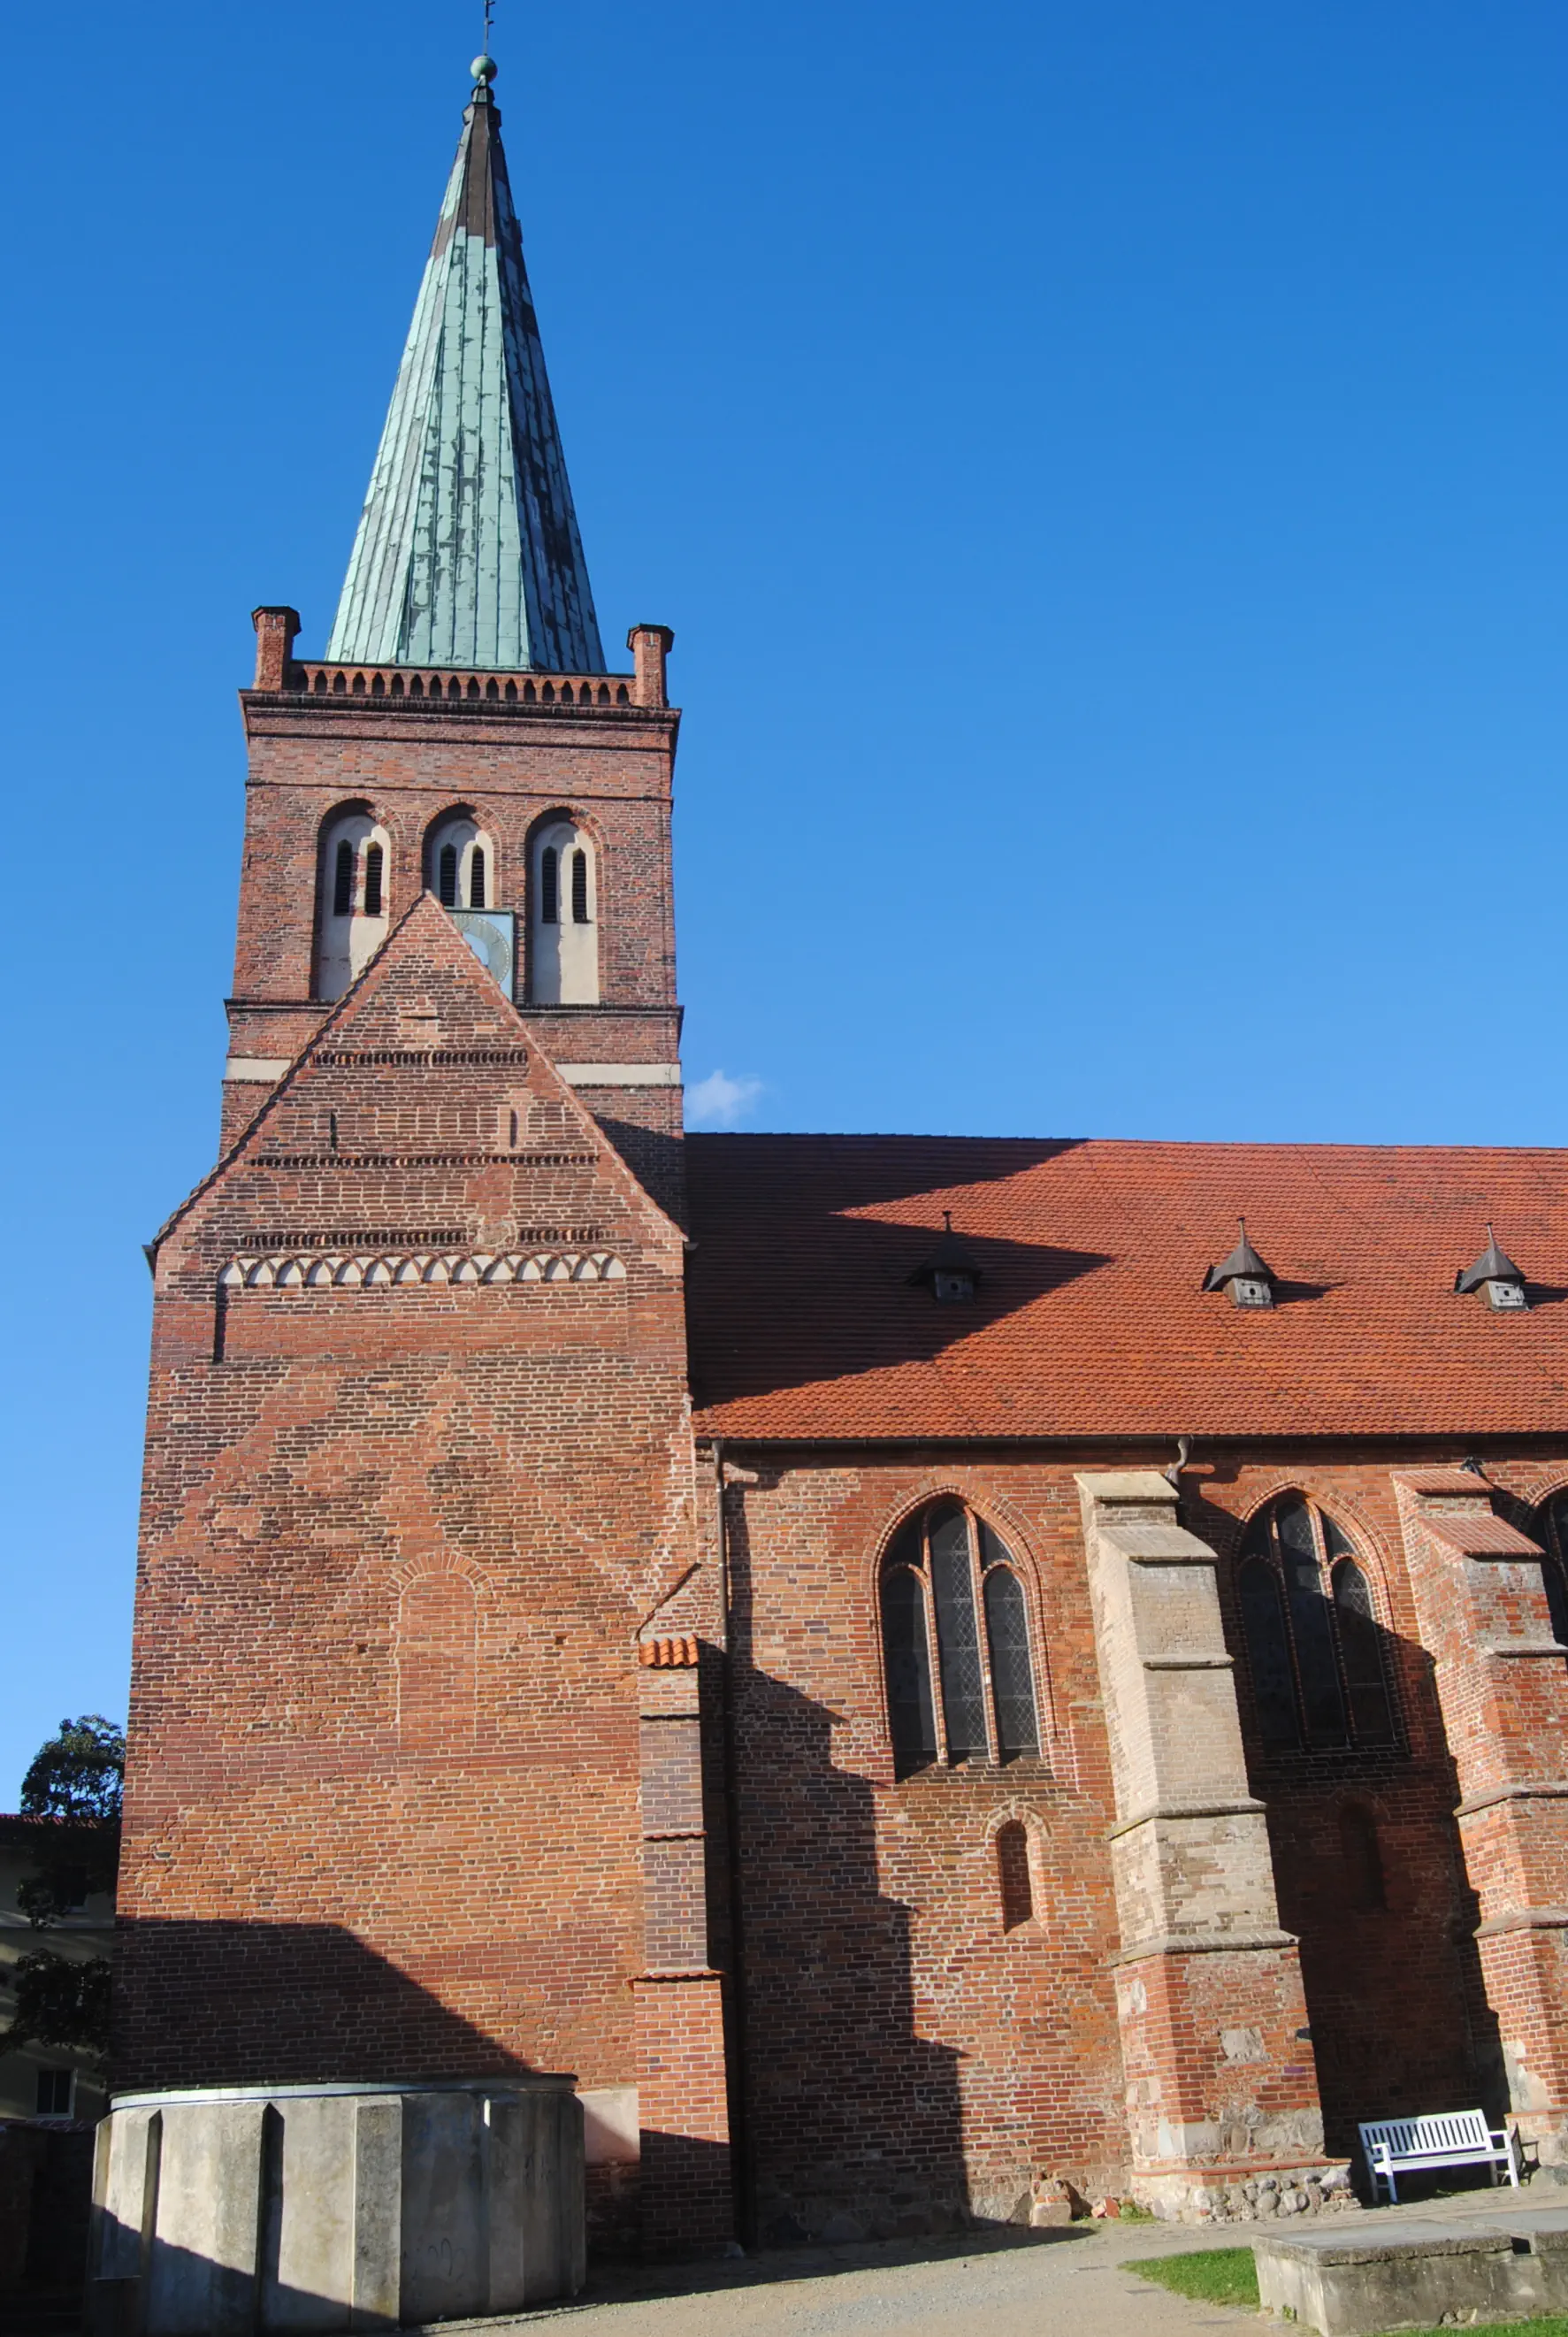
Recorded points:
(1012, 2284)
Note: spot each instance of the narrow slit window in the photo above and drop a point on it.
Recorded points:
(446, 876)
(580, 888)
(1012, 1682)
(1013, 1874)
(958, 1640)
(476, 878)
(911, 1712)
(1268, 1652)
(1371, 1721)
(550, 887)
(373, 867)
(342, 881)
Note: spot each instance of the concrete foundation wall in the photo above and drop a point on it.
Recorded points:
(326, 2209)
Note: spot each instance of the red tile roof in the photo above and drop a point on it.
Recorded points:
(1089, 1320)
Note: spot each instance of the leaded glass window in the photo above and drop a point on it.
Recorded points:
(951, 1589)
(1553, 1537)
(1314, 1642)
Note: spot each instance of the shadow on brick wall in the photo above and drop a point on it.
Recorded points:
(274, 2004)
(850, 2125)
(1369, 1875)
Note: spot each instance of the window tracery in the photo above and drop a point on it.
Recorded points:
(960, 1679)
(1314, 1642)
(1552, 1532)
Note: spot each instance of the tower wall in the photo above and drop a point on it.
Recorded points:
(419, 1475)
(509, 762)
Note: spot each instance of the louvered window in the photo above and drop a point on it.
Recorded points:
(446, 876)
(580, 888)
(476, 878)
(1314, 1644)
(950, 1589)
(372, 866)
(342, 881)
(550, 887)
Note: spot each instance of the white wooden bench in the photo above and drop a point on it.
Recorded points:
(1449, 2139)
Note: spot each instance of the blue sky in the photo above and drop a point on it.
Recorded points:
(1105, 471)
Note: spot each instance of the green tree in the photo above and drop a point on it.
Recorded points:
(76, 1780)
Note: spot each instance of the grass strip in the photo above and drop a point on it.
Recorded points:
(1211, 2276)
(1229, 2276)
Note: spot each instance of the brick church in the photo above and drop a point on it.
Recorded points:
(903, 1667)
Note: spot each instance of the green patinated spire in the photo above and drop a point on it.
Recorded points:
(468, 551)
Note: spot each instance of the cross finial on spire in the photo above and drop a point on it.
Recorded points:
(484, 66)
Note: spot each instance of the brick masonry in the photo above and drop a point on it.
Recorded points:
(485, 1718)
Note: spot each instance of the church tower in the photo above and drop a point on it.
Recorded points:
(415, 1812)
(463, 736)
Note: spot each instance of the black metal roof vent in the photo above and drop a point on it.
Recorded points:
(1495, 1273)
(951, 1272)
(1250, 1282)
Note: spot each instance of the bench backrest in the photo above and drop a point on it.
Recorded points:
(1423, 2137)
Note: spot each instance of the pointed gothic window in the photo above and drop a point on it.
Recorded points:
(563, 938)
(351, 912)
(945, 1572)
(1314, 1642)
(446, 876)
(476, 878)
(1552, 1533)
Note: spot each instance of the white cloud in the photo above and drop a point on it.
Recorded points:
(719, 1102)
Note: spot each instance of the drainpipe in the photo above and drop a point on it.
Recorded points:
(740, 2131)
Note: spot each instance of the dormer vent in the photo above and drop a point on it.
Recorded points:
(951, 1273)
(1250, 1282)
(1496, 1273)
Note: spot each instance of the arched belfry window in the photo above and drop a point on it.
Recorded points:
(563, 920)
(1552, 1532)
(460, 864)
(351, 899)
(956, 1644)
(1314, 1642)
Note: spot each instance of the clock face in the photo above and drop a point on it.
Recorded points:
(488, 934)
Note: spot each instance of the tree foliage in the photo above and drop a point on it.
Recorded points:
(78, 1775)
(76, 1778)
(73, 1783)
(61, 2003)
